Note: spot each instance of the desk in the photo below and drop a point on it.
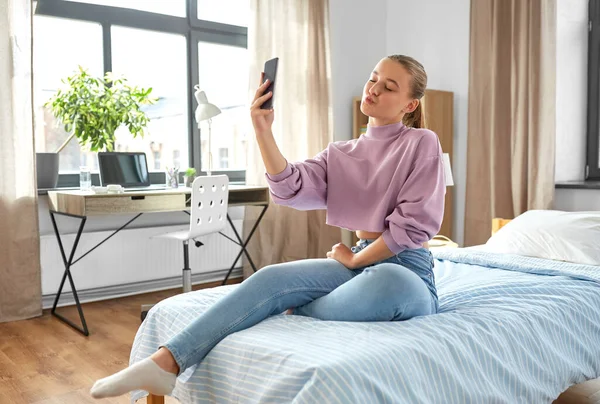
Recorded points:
(82, 204)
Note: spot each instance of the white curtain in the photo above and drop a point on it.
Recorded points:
(20, 284)
(298, 33)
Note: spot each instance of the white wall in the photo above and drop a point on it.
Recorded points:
(574, 200)
(358, 42)
(436, 33)
(571, 89)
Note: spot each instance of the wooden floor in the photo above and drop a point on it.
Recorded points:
(44, 361)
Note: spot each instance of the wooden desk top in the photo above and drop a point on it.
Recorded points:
(88, 203)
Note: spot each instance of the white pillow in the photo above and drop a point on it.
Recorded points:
(551, 234)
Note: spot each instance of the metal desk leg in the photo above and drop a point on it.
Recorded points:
(69, 263)
(67, 273)
(244, 244)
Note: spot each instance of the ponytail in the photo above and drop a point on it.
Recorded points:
(415, 119)
(418, 84)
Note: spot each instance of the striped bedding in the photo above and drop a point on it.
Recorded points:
(511, 329)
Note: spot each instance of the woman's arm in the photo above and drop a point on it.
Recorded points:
(274, 161)
(262, 120)
(419, 213)
(374, 252)
(301, 185)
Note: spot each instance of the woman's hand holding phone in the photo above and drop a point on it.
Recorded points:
(262, 119)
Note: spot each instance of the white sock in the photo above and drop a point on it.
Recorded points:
(144, 375)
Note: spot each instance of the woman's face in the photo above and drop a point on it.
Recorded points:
(387, 95)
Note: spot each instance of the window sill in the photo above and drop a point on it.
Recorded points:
(577, 185)
(44, 191)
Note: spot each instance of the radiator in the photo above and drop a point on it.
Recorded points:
(133, 262)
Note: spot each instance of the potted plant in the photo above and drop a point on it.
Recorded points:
(190, 176)
(92, 109)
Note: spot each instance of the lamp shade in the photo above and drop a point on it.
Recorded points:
(205, 110)
(447, 170)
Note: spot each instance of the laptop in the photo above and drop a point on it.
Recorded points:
(128, 169)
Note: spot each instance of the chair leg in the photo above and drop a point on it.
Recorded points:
(187, 271)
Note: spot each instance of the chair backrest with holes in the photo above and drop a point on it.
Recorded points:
(209, 204)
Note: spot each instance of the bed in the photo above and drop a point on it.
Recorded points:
(511, 329)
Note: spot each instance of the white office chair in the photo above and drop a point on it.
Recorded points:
(208, 214)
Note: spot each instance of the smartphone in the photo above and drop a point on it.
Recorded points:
(270, 74)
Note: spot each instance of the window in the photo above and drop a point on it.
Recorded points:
(156, 152)
(154, 44)
(164, 69)
(156, 157)
(176, 158)
(223, 158)
(234, 12)
(51, 63)
(593, 113)
(169, 7)
(226, 85)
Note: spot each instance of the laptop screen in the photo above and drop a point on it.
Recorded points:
(125, 169)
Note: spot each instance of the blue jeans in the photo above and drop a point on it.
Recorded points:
(398, 288)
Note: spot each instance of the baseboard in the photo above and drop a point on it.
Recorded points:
(116, 291)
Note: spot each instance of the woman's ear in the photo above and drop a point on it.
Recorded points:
(411, 106)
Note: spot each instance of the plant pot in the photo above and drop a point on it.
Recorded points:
(189, 181)
(47, 170)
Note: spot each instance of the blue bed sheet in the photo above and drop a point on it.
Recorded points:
(511, 329)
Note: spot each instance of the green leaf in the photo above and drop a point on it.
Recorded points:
(93, 108)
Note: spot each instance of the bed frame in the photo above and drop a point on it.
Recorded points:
(152, 399)
(583, 393)
(498, 223)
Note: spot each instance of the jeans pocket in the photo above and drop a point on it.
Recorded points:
(420, 261)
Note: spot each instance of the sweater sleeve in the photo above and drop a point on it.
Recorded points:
(420, 209)
(301, 185)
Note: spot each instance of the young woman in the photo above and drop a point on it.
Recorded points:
(388, 185)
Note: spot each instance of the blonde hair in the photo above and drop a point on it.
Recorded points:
(418, 84)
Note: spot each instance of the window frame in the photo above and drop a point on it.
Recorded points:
(193, 29)
(592, 171)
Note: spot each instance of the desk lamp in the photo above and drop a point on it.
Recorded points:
(205, 111)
